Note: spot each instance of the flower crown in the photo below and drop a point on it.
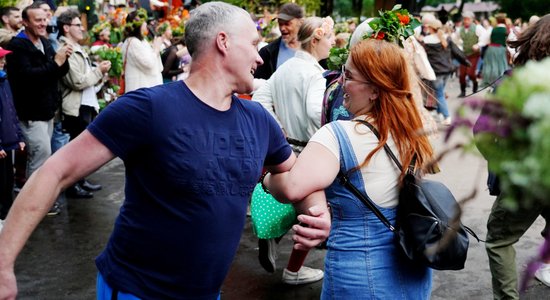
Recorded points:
(99, 27)
(326, 27)
(394, 25)
(140, 18)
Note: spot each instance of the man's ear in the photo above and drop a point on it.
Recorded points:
(222, 41)
(65, 28)
(5, 19)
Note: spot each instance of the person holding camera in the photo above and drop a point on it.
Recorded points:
(79, 105)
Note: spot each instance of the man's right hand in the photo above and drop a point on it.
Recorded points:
(62, 54)
(104, 66)
(8, 285)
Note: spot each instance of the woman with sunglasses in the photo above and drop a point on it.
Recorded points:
(362, 261)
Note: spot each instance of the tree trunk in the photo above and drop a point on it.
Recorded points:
(383, 4)
(409, 5)
(327, 7)
(461, 8)
(357, 7)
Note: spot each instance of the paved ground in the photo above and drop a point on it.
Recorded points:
(58, 261)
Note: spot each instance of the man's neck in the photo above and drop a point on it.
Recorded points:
(217, 96)
(292, 43)
(10, 29)
(71, 41)
(33, 38)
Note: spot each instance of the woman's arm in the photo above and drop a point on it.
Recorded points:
(303, 185)
(315, 169)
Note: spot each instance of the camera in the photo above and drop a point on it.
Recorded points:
(51, 29)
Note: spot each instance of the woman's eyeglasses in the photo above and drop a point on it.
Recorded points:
(347, 76)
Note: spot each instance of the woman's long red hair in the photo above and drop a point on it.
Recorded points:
(394, 112)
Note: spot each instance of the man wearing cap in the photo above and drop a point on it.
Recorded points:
(290, 18)
(11, 24)
(472, 39)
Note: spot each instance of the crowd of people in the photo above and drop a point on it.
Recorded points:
(180, 122)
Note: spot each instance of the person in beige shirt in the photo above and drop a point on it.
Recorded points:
(80, 105)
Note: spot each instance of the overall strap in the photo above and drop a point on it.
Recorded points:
(347, 154)
(388, 149)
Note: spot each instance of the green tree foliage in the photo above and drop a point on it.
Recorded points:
(256, 6)
(525, 8)
(4, 3)
(435, 2)
(347, 8)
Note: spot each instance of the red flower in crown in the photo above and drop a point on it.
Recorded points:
(403, 19)
(379, 36)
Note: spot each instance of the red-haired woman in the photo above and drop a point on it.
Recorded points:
(362, 260)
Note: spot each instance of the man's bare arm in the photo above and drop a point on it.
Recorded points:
(77, 159)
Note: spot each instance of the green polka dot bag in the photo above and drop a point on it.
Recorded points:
(270, 218)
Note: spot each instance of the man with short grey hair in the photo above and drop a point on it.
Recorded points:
(193, 154)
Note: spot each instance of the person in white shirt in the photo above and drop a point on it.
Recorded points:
(143, 65)
(294, 96)
(294, 93)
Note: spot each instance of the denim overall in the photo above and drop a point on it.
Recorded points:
(362, 261)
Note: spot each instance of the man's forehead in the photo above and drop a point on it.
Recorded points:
(37, 12)
(283, 22)
(293, 22)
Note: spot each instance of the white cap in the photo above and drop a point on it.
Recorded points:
(468, 14)
(360, 31)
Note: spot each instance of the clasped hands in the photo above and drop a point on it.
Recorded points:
(313, 229)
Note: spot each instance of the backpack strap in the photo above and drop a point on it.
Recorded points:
(347, 154)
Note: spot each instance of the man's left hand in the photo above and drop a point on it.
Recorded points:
(313, 228)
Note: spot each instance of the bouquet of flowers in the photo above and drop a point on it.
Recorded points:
(513, 134)
(115, 56)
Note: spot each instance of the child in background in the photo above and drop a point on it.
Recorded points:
(11, 138)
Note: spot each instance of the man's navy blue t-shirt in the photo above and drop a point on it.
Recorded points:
(190, 170)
